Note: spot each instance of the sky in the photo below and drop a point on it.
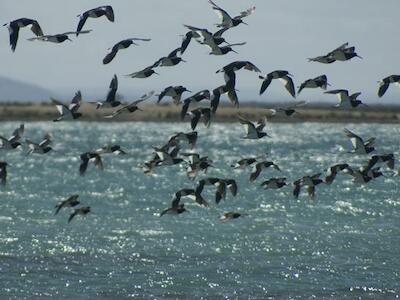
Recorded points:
(280, 35)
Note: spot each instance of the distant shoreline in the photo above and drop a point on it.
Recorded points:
(30, 112)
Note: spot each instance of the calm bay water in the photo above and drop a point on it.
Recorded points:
(344, 244)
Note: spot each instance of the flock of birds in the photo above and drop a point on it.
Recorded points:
(170, 153)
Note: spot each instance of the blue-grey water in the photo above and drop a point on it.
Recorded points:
(344, 244)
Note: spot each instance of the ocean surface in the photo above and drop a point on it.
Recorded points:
(343, 244)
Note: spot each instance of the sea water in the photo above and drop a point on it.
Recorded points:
(343, 244)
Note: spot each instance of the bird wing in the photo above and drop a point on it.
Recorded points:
(82, 21)
(174, 53)
(61, 107)
(382, 88)
(265, 84)
(17, 134)
(222, 14)
(14, 32)
(75, 32)
(289, 85)
(109, 12)
(249, 126)
(110, 55)
(232, 95)
(356, 141)
(251, 67)
(186, 41)
(246, 13)
(143, 97)
(35, 27)
(75, 102)
(112, 89)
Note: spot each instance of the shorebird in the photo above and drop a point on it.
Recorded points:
(119, 46)
(3, 172)
(385, 82)
(199, 96)
(70, 202)
(175, 209)
(131, 107)
(146, 72)
(283, 76)
(95, 13)
(237, 65)
(57, 38)
(274, 183)
(197, 113)
(111, 100)
(359, 146)
(42, 147)
(14, 27)
(226, 20)
(244, 162)
(333, 171)
(345, 99)
(261, 166)
(196, 164)
(253, 131)
(216, 96)
(341, 53)
(217, 50)
(173, 91)
(203, 36)
(190, 193)
(317, 82)
(364, 174)
(221, 185)
(385, 158)
(168, 61)
(79, 211)
(69, 112)
(86, 157)
(287, 111)
(110, 149)
(308, 181)
(231, 215)
(13, 141)
(189, 137)
(323, 59)
(167, 158)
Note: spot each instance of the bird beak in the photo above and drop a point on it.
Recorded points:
(189, 91)
(69, 40)
(156, 73)
(245, 23)
(182, 60)
(234, 51)
(359, 56)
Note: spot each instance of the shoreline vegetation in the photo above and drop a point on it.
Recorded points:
(46, 111)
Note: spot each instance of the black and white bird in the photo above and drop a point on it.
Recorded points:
(116, 149)
(199, 96)
(221, 90)
(364, 174)
(171, 60)
(42, 147)
(14, 141)
(244, 162)
(196, 164)
(341, 53)
(70, 202)
(308, 181)
(226, 20)
(253, 131)
(259, 167)
(175, 209)
(323, 59)
(222, 50)
(237, 65)
(283, 76)
(203, 36)
(190, 193)
(286, 111)
(167, 158)
(345, 99)
(317, 82)
(131, 107)
(79, 211)
(196, 114)
(388, 159)
(3, 172)
(57, 38)
(359, 146)
(69, 112)
(124, 44)
(173, 91)
(14, 27)
(95, 13)
(385, 82)
(189, 137)
(90, 156)
(146, 72)
(221, 185)
(231, 216)
(333, 171)
(274, 183)
(111, 100)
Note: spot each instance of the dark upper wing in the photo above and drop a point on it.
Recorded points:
(82, 21)
(36, 28)
(113, 89)
(246, 13)
(265, 84)
(110, 55)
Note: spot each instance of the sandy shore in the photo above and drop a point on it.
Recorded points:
(25, 112)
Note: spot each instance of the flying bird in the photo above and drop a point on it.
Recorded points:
(173, 91)
(286, 111)
(13, 141)
(345, 99)
(231, 215)
(385, 82)
(226, 20)
(359, 146)
(168, 61)
(90, 156)
(259, 167)
(308, 181)
(283, 76)
(57, 38)
(130, 108)
(199, 96)
(333, 171)
(253, 131)
(124, 44)
(111, 100)
(70, 202)
(42, 147)
(95, 13)
(69, 112)
(274, 183)
(317, 82)
(79, 211)
(14, 27)
(110, 149)
(197, 113)
(146, 72)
